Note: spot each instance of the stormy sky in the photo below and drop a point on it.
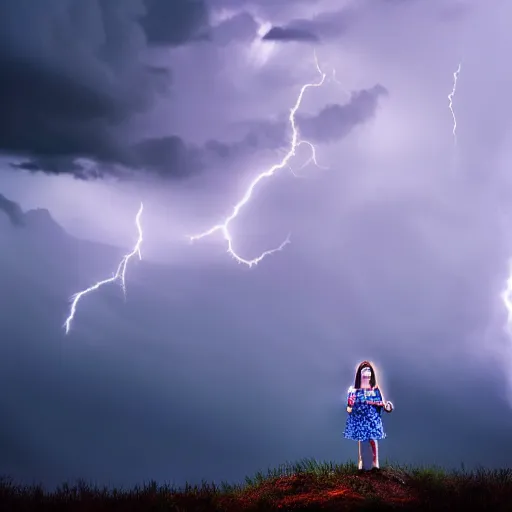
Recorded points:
(208, 369)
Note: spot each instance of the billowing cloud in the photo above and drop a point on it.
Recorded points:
(333, 122)
(174, 22)
(170, 157)
(323, 26)
(167, 156)
(69, 98)
(58, 165)
(77, 71)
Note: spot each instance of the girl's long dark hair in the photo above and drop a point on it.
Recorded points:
(373, 378)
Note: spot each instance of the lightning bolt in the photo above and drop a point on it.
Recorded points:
(506, 297)
(118, 276)
(284, 163)
(450, 99)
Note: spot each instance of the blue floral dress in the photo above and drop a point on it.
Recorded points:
(364, 422)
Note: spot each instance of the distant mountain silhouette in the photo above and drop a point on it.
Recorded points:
(37, 220)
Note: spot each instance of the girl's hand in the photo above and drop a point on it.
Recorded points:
(349, 409)
(388, 407)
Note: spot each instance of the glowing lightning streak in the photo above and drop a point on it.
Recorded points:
(506, 297)
(118, 276)
(450, 99)
(294, 144)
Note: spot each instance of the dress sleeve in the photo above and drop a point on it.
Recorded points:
(378, 395)
(351, 396)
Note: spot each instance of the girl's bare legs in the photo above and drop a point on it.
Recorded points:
(375, 451)
(360, 455)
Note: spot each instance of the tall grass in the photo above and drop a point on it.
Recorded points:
(304, 485)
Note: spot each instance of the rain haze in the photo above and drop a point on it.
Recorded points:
(400, 237)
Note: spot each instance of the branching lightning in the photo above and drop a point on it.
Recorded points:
(284, 163)
(119, 276)
(450, 99)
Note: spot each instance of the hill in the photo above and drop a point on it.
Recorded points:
(307, 486)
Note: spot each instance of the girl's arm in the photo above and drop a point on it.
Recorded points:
(351, 398)
(388, 406)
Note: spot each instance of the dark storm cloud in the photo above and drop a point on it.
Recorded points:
(289, 34)
(56, 165)
(331, 123)
(73, 71)
(335, 121)
(12, 210)
(324, 26)
(173, 22)
(168, 157)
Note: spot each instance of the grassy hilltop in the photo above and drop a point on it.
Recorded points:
(305, 486)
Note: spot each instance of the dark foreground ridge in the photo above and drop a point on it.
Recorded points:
(306, 486)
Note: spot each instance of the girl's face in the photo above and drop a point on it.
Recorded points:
(366, 374)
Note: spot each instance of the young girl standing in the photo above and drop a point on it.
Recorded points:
(364, 405)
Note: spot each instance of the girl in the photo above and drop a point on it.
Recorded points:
(364, 405)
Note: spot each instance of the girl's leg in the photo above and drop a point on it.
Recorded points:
(360, 455)
(375, 451)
